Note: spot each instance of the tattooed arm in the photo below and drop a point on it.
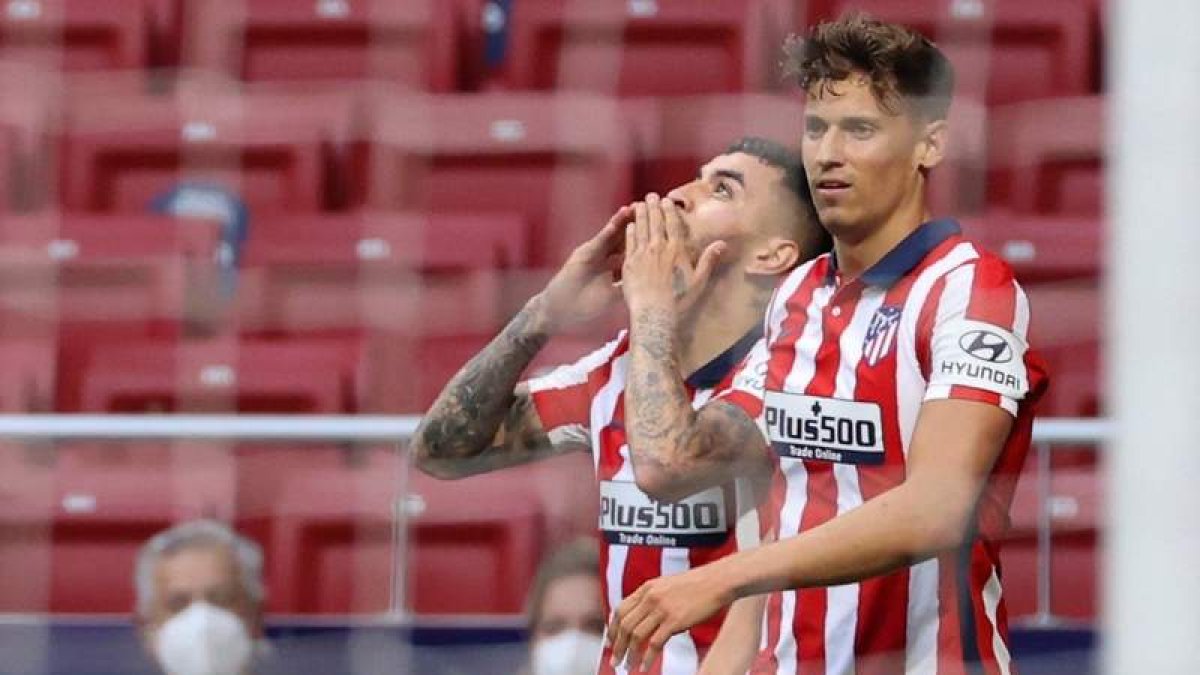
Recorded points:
(676, 450)
(483, 419)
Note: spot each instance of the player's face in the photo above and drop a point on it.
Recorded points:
(862, 161)
(571, 602)
(731, 194)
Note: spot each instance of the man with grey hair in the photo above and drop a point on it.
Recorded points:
(199, 599)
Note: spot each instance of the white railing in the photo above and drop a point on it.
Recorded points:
(1047, 433)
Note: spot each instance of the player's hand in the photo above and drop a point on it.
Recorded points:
(584, 286)
(658, 264)
(661, 608)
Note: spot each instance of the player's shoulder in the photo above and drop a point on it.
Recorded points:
(792, 282)
(987, 268)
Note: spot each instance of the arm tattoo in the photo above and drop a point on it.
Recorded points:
(689, 450)
(456, 436)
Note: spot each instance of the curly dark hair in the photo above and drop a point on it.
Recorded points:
(903, 66)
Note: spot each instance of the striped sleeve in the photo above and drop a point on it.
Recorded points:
(977, 337)
(563, 397)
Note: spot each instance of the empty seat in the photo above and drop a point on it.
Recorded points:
(1002, 51)
(104, 269)
(560, 161)
(477, 555)
(75, 35)
(678, 135)
(1041, 248)
(28, 382)
(1075, 504)
(1067, 328)
(219, 375)
(643, 47)
(125, 153)
(1048, 156)
(411, 43)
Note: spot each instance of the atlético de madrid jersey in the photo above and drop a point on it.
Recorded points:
(837, 388)
(641, 539)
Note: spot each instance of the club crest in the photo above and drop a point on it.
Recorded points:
(881, 334)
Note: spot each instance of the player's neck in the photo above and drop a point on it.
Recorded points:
(730, 308)
(856, 255)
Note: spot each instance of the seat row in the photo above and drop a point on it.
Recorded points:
(1011, 50)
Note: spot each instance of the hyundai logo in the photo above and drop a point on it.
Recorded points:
(986, 346)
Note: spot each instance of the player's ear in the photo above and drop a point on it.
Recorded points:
(773, 256)
(931, 148)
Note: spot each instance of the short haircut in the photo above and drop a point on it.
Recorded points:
(197, 534)
(902, 65)
(578, 558)
(795, 180)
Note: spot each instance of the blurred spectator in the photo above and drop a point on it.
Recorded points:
(566, 618)
(199, 599)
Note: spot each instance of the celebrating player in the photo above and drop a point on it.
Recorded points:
(895, 386)
(744, 221)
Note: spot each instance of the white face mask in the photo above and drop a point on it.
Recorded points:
(203, 640)
(571, 652)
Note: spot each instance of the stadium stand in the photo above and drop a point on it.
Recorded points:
(75, 35)
(1042, 248)
(413, 44)
(1003, 51)
(644, 47)
(1047, 156)
(506, 153)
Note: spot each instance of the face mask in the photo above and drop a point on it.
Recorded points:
(203, 640)
(571, 652)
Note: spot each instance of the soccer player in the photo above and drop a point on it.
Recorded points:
(895, 386)
(746, 220)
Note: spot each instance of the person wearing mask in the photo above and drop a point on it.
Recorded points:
(566, 615)
(199, 599)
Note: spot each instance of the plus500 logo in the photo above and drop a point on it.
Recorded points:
(658, 516)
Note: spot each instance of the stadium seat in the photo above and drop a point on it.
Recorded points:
(476, 555)
(75, 35)
(26, 493)
(1075, 505)
(123, 153)
(220, 375)
(678, 134)
(103, 269)
(28, 382)
(644, 47)
(413, 43)
(1003, 51)
(1041, 248)
(1048, 156)
(562, 161)
(1068, 329)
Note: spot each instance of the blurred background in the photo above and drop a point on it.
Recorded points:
(324, 207)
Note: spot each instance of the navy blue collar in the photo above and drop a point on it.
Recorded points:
(907, 254)
(710, 374)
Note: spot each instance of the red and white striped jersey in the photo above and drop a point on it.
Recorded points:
(836, 387)
(641, 539)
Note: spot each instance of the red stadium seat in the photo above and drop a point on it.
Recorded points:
(1075, 505)
(219, 375)
(474, 555)
(411, 43)
(28, 382)
(561, 161)
(75, 35)
(1067, 327)
(1048, 156)
(27, 493)
(120, 154)
(679, 135)
(104, 269)
(1041, 248)
(1002, 51)
(644, 47)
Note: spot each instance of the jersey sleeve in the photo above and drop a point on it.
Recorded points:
(563, 396)
(746, 388)
(976, 337)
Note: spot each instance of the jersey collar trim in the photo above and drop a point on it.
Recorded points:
(906, 256)
(710, 374)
